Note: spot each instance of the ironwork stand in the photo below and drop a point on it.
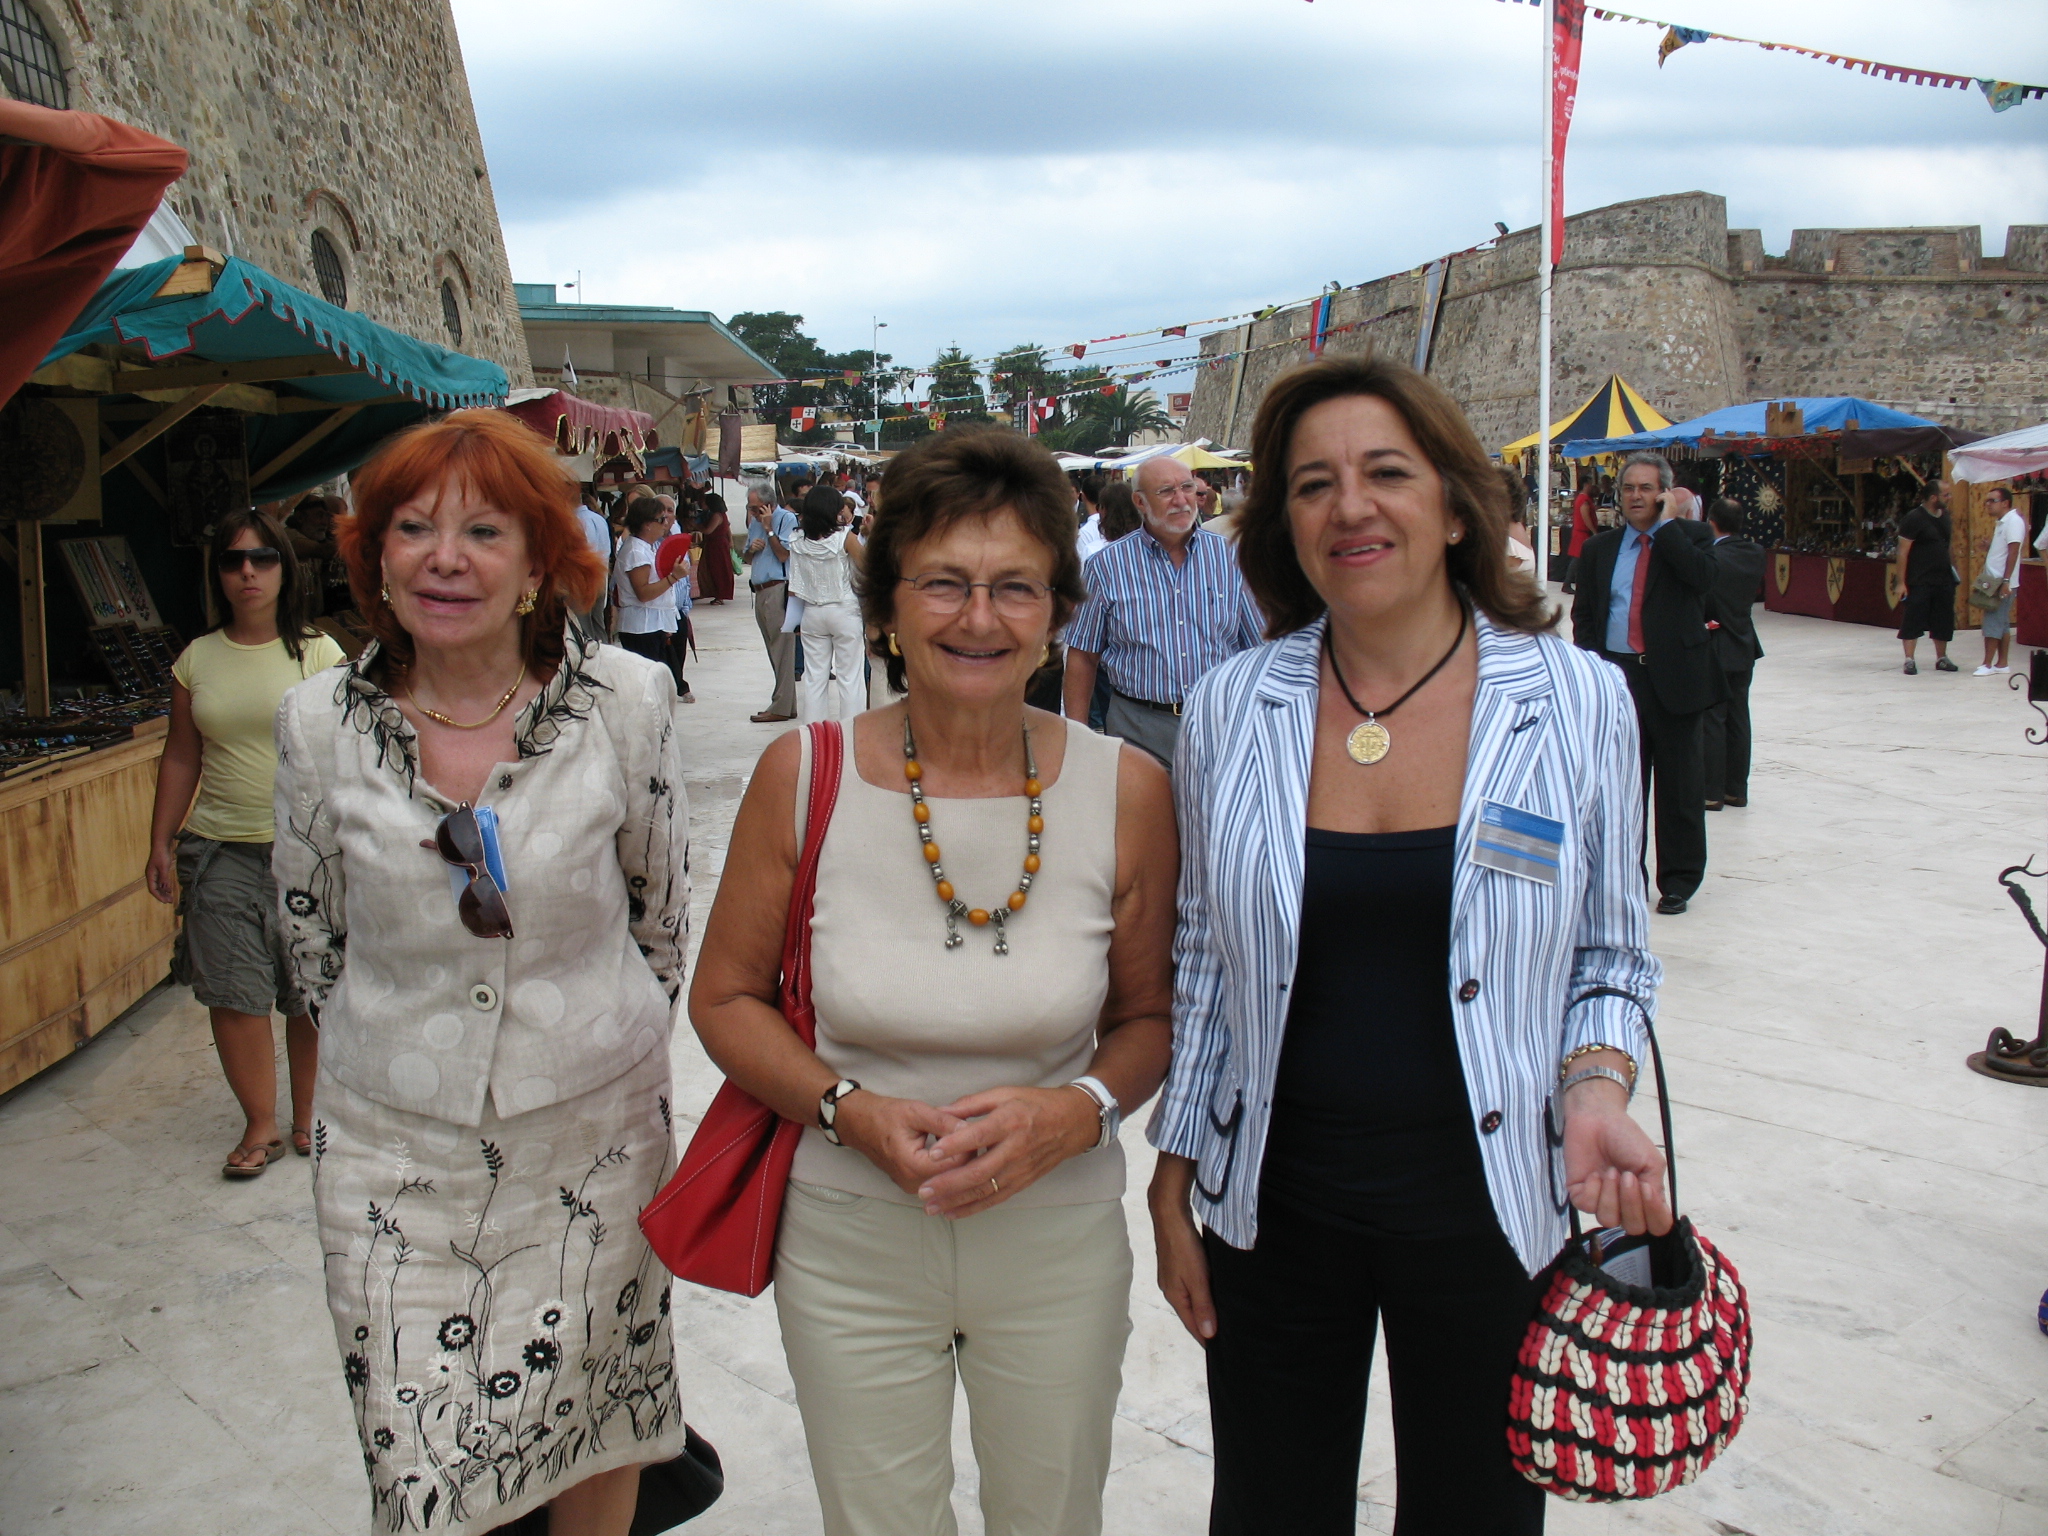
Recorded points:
(2005, 1056)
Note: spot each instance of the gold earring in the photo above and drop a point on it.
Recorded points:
(384, 596)
(1045, 655)
(894, 648)
(526, 603)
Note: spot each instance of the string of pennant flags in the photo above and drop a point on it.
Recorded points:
(2001, 94)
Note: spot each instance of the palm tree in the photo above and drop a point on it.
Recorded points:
(1121, 414)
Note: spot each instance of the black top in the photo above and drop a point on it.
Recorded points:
(1927, 562)
(1372, 1128)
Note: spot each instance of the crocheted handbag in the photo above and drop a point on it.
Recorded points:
(1625, 1390)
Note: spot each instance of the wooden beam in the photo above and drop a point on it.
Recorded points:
(253, 398)
(169, 417)
(77, 370)
(35, 642)
(291, 405)
(134, 467)
(129, 381)
(193, 275)
(301, 446)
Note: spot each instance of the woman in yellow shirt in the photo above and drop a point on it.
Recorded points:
(222, 742)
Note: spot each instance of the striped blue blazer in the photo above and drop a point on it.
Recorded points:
(1534, 968)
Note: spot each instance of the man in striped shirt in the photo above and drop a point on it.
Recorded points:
(1165, 604)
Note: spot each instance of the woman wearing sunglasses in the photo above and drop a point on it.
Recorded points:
(211, 854)
(984, 1020)
(481, 841)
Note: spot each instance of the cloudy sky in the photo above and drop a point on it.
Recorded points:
(985, 174)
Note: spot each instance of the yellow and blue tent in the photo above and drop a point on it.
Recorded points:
(1615, 409)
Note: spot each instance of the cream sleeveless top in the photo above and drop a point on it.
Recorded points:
(903, 1015)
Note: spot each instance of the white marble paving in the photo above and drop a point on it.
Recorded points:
(166, 1363)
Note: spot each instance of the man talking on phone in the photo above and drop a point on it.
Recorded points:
(1641, 603)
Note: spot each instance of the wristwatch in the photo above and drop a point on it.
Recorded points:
(828, 1108)
(1106, 1106)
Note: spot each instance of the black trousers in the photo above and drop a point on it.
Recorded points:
(1288, 1368)
(667, 649)
(1674, 786)
(1724, 740)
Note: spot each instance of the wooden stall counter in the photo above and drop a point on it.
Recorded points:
(81, 938)
(2030, 609)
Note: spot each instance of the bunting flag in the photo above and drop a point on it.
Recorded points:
(803, 417)
(2001, 94)
(851, 375)
(1567, 37)
(1078, 349)
(1320, 326)
(568, 369)
(1173, 330)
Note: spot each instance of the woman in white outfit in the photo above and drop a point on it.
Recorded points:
(648, 613)
(821, 573)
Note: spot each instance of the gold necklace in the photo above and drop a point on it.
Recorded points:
(472, 725)
(956, 908)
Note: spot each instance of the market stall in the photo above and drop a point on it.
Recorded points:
(2018, 460)
(186, 388)
(1616, 409)
(1825, 480)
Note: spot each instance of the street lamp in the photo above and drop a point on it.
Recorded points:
(875, 377)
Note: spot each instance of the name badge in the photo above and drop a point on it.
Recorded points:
(1518, 842)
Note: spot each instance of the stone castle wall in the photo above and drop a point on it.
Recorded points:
(352, 117)
(1696, 316)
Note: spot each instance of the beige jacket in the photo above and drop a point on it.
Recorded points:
(415, 1011)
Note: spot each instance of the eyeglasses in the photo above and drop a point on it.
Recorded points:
(228, 561)
(1016, 597)
(482, 908)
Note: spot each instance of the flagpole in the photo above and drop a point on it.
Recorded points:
(1541, 532)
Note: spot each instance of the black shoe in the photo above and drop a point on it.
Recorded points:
(1715, 805)
(672, 1492)
(1670, 906)
(1943, 664)
(1737, 801)
(1911, 669)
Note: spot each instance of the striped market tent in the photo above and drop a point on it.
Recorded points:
(1615, 409)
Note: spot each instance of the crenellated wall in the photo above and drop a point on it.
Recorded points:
(1696, 316)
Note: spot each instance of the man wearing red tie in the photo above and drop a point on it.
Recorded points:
(1641, 603)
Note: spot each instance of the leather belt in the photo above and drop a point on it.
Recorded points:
(1164, 709)
(1627, 658)
(762, 586)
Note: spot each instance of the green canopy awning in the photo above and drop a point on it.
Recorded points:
(380, 380)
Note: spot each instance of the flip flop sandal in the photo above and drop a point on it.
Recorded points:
(307, 1149)
(271, 1152)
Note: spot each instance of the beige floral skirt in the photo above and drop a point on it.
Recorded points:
(504, 1329)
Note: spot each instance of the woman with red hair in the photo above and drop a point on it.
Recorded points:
(481, 841)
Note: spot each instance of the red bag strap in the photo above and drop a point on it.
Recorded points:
(828, 754)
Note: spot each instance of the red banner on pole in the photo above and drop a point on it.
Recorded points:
(1568, 32)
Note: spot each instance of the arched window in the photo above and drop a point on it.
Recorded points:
(28, 58)
(327, 268)
(451, 313)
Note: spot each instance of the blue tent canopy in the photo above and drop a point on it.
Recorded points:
(1822, 413)
(251, 316)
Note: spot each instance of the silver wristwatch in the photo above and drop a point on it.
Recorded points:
(1106, 1106)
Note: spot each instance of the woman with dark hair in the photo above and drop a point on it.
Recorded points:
(646, 602)
(714, 571)
(1413, 942)
(230, 950)
(482, 842)
(821, 569)
(956, 1214)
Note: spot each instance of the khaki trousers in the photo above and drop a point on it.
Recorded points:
(769, 603)
(882, 1304)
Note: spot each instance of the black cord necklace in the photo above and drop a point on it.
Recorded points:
(1371, 741)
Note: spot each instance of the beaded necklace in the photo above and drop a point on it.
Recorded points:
(956, 909)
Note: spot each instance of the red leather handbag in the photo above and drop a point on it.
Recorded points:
(714, 1222)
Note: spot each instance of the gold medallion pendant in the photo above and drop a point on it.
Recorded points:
(1368, 743)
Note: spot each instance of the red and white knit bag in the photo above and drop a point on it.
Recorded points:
(1625, 1391)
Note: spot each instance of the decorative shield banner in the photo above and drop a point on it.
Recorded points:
(1783, 572)
(1838, 578)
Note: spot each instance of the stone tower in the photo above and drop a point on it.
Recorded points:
(333, 142)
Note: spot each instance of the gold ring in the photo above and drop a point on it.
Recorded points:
(993, 1185)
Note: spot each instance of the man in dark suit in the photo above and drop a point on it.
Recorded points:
(1641, 604)
(1738, 583)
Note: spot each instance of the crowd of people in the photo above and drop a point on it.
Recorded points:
(1145, 786)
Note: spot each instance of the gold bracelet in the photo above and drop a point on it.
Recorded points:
(1565, 1066)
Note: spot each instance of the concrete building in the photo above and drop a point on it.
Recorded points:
(1696, 316)
(333, 143)
(646, 357)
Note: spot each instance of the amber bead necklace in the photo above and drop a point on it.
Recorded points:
(955, 907)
